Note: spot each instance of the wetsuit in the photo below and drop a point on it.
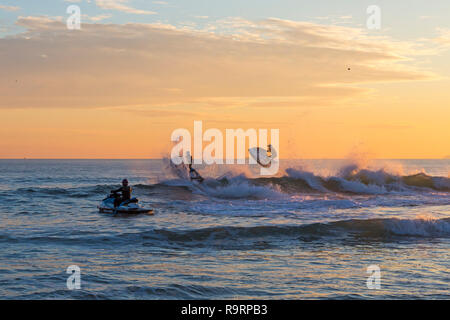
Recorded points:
(126, 195)
(194, 175)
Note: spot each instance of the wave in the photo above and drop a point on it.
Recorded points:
(238, 187)
(237, 237)
(371, 228)
(357, 181)
(80, 192)
(350, 180)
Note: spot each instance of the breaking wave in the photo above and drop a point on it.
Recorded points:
(349, 181)
(357, 181)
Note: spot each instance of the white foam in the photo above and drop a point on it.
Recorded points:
(239, 189)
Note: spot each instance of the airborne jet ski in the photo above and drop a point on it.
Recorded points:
(126, 207)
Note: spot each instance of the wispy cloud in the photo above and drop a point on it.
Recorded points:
(444, 37)
(9, 8)
(269, 63)
(96, 18)
(120, 5)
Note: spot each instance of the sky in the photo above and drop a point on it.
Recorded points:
(138, 70)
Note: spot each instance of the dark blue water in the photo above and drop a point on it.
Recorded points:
(309, 233)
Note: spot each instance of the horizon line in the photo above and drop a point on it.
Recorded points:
(26, 158)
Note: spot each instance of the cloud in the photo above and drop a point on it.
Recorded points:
(444, 37)
(151, 112)
(96, 18)
(9, 8)
(270, 63)
(120, 5)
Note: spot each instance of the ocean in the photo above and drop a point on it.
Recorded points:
(313, 232)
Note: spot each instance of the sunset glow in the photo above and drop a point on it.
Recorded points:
(119, 86)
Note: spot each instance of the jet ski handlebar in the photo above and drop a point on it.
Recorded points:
(114, 193)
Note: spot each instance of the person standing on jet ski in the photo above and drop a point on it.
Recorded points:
(193, 174)
(125, 190)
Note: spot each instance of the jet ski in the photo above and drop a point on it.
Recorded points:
(126, 207)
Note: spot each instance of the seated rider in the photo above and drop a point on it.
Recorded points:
(125, 190)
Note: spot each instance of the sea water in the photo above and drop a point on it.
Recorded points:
(313, 231)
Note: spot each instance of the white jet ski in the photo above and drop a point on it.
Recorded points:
(127, 207)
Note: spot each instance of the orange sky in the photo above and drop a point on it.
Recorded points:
(118, 91)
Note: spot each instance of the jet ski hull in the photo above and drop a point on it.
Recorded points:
(107, 206)
(126, 211)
